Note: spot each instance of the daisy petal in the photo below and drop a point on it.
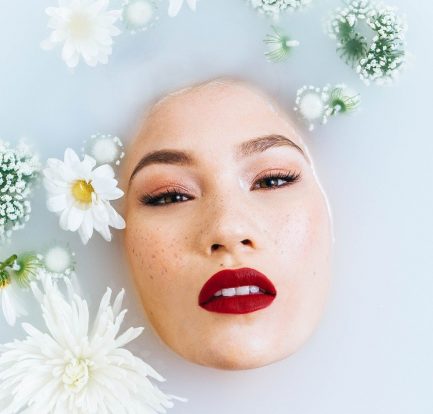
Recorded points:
(57, 203)
(75, 218)
(71, 157)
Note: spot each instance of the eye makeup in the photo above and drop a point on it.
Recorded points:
(272, 180)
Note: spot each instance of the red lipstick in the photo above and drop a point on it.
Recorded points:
(237, 291)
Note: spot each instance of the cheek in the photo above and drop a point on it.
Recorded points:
(298, 232)
(154, 252)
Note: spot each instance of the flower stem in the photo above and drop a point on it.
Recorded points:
(8, 262)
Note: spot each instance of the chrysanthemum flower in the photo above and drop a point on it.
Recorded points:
(74, 367)
(81, 195)
(139, 15)
(176, 5)
(85, 28)
(19, 168)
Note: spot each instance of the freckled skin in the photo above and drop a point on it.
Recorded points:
(169, 248)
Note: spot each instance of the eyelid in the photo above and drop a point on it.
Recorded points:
(277, 172)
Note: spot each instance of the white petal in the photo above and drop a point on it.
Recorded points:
(192, 4)
(103, 171)
(8, 307)
(71, 157)
(174, 7)
(116, 220)
(63, 222)
(68, 50)
(75, 218)
(86, 229)
(57, 203)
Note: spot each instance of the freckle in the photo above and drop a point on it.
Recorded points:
(153, 256)
(151, 277)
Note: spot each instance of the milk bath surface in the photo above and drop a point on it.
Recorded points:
(375, 340)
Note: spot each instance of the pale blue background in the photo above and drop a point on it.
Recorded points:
(373, 350)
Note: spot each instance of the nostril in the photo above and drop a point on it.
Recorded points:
(247, 242)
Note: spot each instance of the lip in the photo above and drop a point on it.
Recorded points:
(232, 278)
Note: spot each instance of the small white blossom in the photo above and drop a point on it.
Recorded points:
(74, 367)
(315, 105)
(81, 195)
(85, 28)
(58, 261)
(104, 148)
(139, 15)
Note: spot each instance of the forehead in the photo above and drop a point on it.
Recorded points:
(209, 119)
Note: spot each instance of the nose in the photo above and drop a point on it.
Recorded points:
(229, 227)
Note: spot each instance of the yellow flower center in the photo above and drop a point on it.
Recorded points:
(76, 374)
(80, 25)
(82, 191)
(5, 280)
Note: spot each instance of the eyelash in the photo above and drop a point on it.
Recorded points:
(153, 201)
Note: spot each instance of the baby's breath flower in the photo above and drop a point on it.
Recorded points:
(379, 60)
(104, 148)
(279, 45)
(19, 168)
(274, 7)
(139, 15)
(315, 105)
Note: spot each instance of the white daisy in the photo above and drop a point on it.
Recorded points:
(85, 27)
(81, 195)
(176, 5)
(76, 368)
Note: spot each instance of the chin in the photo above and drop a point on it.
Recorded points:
(241, 354)
(240, 360)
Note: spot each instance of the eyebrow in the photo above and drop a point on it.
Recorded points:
(245, 149)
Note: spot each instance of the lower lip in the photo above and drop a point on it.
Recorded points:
(238, 304)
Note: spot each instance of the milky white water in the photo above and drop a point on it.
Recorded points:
(373, 351)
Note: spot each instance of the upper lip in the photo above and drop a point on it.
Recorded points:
(229, 278)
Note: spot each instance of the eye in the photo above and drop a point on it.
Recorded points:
(169, 196)
(275, 180)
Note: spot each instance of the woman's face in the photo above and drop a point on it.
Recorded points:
(218, 179)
